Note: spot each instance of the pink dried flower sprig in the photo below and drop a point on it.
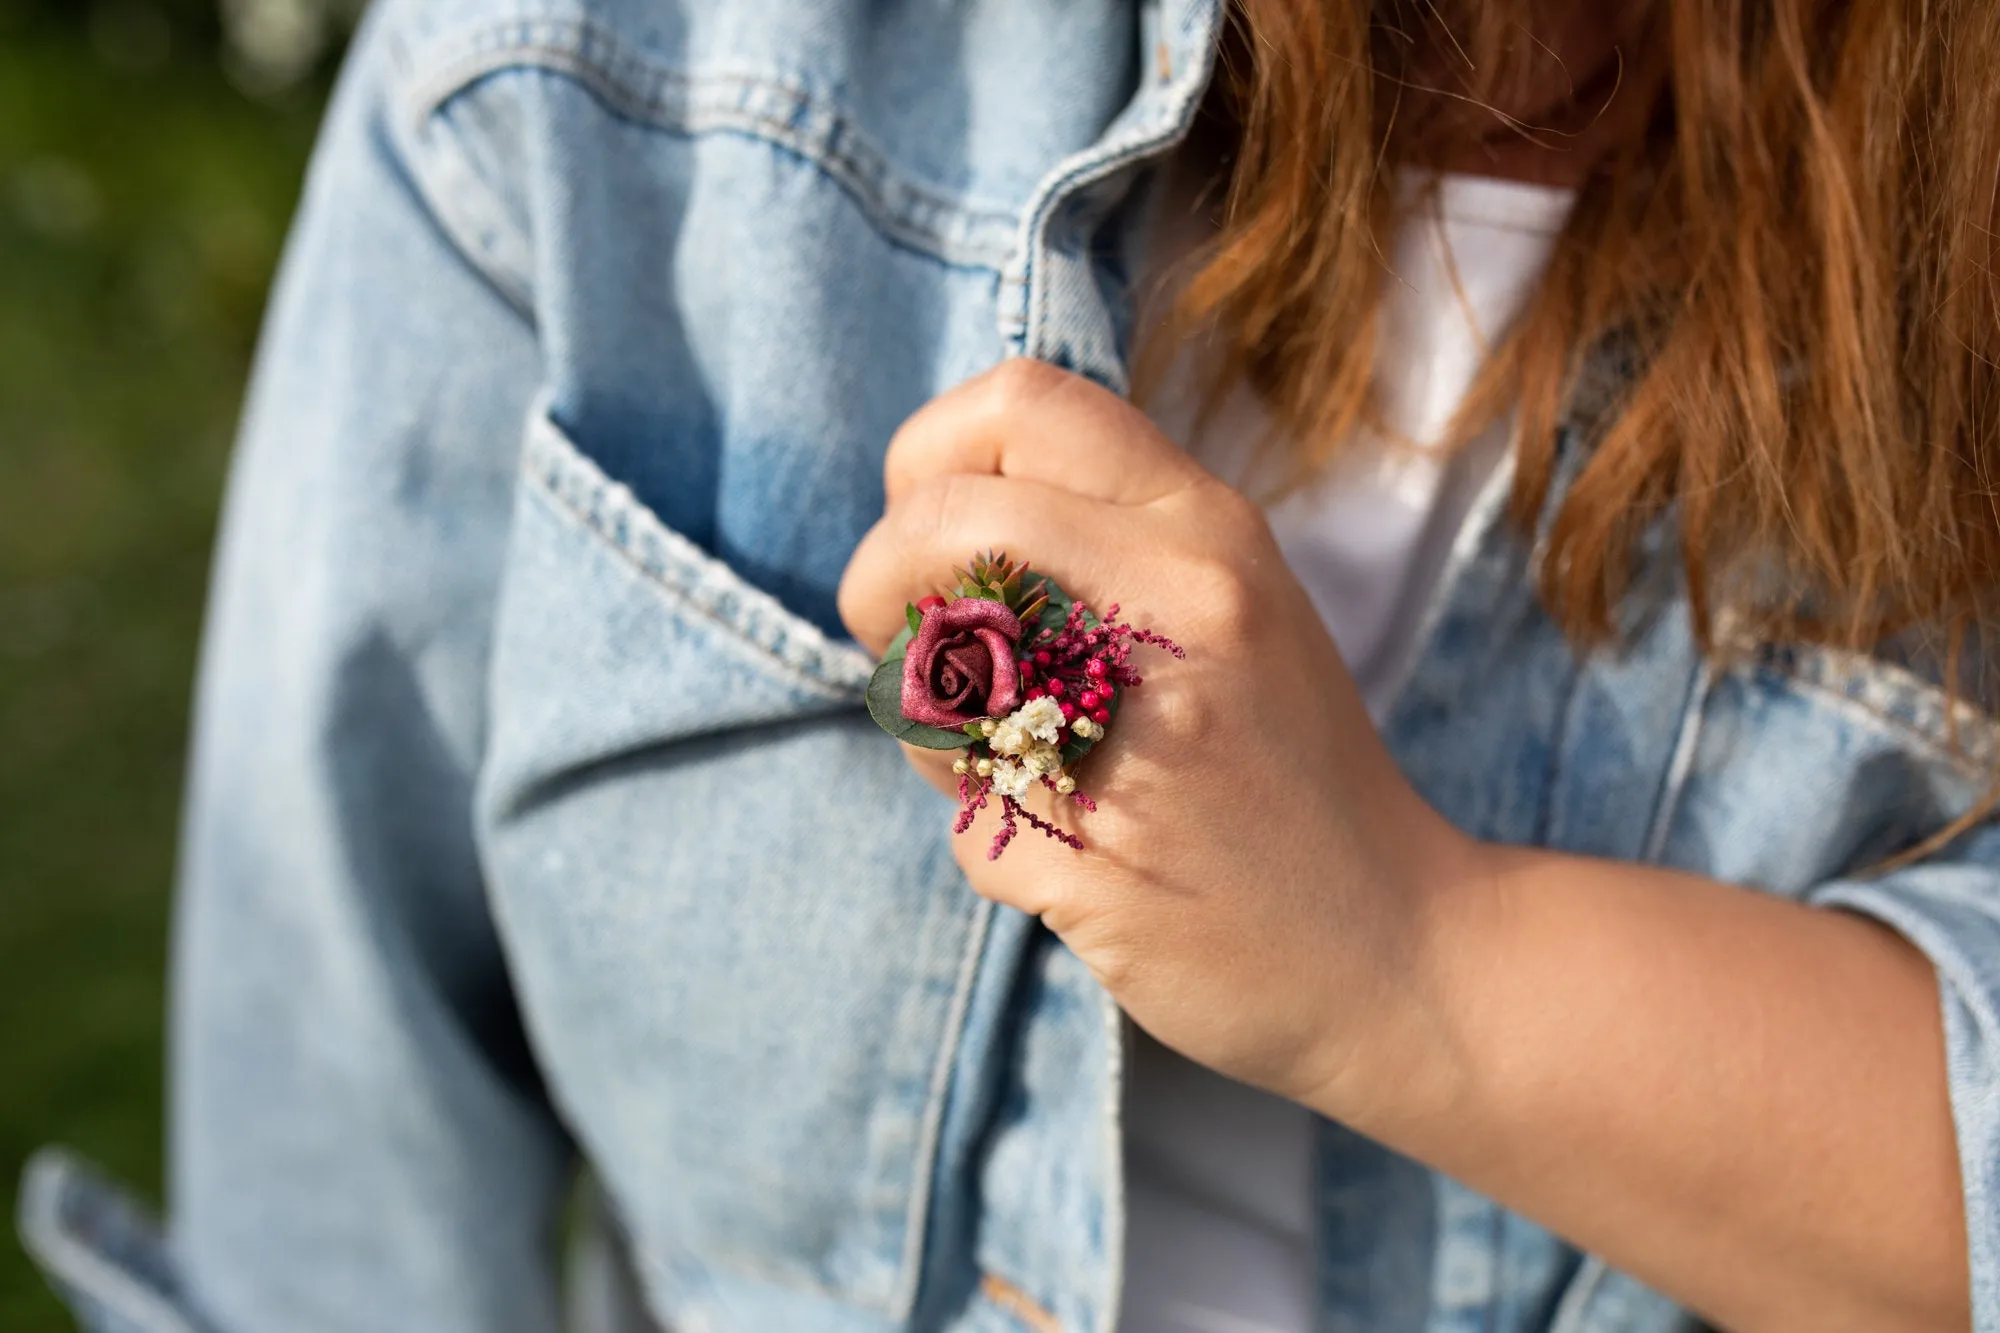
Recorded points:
(1016, 674)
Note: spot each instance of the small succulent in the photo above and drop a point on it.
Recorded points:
(996, 578)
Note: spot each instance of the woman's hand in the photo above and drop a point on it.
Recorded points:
(1258, 880)
(1738, 1099)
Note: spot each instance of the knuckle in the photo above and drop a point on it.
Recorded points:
(923, 509)
(1219, 597)
(1232, 518)
(1114, 967)
(1185, 718)
(1018, 382)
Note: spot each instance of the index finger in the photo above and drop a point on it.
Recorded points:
(1027, 419)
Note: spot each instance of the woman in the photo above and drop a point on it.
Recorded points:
(1636, 881)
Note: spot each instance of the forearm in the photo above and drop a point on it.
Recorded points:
(1738, 1099)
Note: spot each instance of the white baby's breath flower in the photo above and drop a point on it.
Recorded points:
(1010, 779)
(1041, 718)
(1085, 728)
(1041, 760)
(1010, 737)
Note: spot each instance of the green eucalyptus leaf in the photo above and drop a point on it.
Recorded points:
(913, 616)
(1056, 614)
(885, 705)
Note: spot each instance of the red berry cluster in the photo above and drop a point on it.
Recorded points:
(1082, 666)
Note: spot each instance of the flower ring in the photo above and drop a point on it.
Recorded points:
(1013, 671)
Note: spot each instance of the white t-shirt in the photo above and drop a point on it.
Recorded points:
(1219, 1175)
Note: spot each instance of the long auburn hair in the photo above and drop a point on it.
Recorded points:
(1795, 243)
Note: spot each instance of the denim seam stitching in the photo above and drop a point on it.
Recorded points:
(1111, 1124)
(1859, 710)
(443, 183)
(447, 185)
(92, 1275)
(1024, 266)
(1559, 738)
(916, 1216)
(810, 126)
(1871, 690)
(703, 584)
(1080, 172)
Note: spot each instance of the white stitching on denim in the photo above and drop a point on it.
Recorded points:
(1025, 294)
(671, 561)
(1902, 698)
(1861, 711)
(1111, 1123)
(917, 1216)
(464, 205)
(784, 113)
(1895, 700)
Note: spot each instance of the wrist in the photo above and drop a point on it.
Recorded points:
(1407, 1061)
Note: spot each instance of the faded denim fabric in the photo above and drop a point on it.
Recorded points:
(534, 817)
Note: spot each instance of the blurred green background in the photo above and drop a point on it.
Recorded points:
(150, 154)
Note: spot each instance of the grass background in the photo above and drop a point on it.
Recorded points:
(143, 200)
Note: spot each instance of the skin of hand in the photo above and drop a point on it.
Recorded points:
(1738, 1099)
(1257, 861)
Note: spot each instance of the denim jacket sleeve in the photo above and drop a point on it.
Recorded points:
(1819, 766)
(1810, 770)
(1949, 907)
(358, 1139)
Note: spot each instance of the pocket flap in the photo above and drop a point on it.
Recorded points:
(616, 633)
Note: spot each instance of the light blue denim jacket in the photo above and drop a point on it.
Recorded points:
(535, 816)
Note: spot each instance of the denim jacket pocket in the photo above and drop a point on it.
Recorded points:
(739, 941)
(101, 1253)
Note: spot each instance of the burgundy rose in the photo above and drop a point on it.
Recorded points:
(960, 666)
